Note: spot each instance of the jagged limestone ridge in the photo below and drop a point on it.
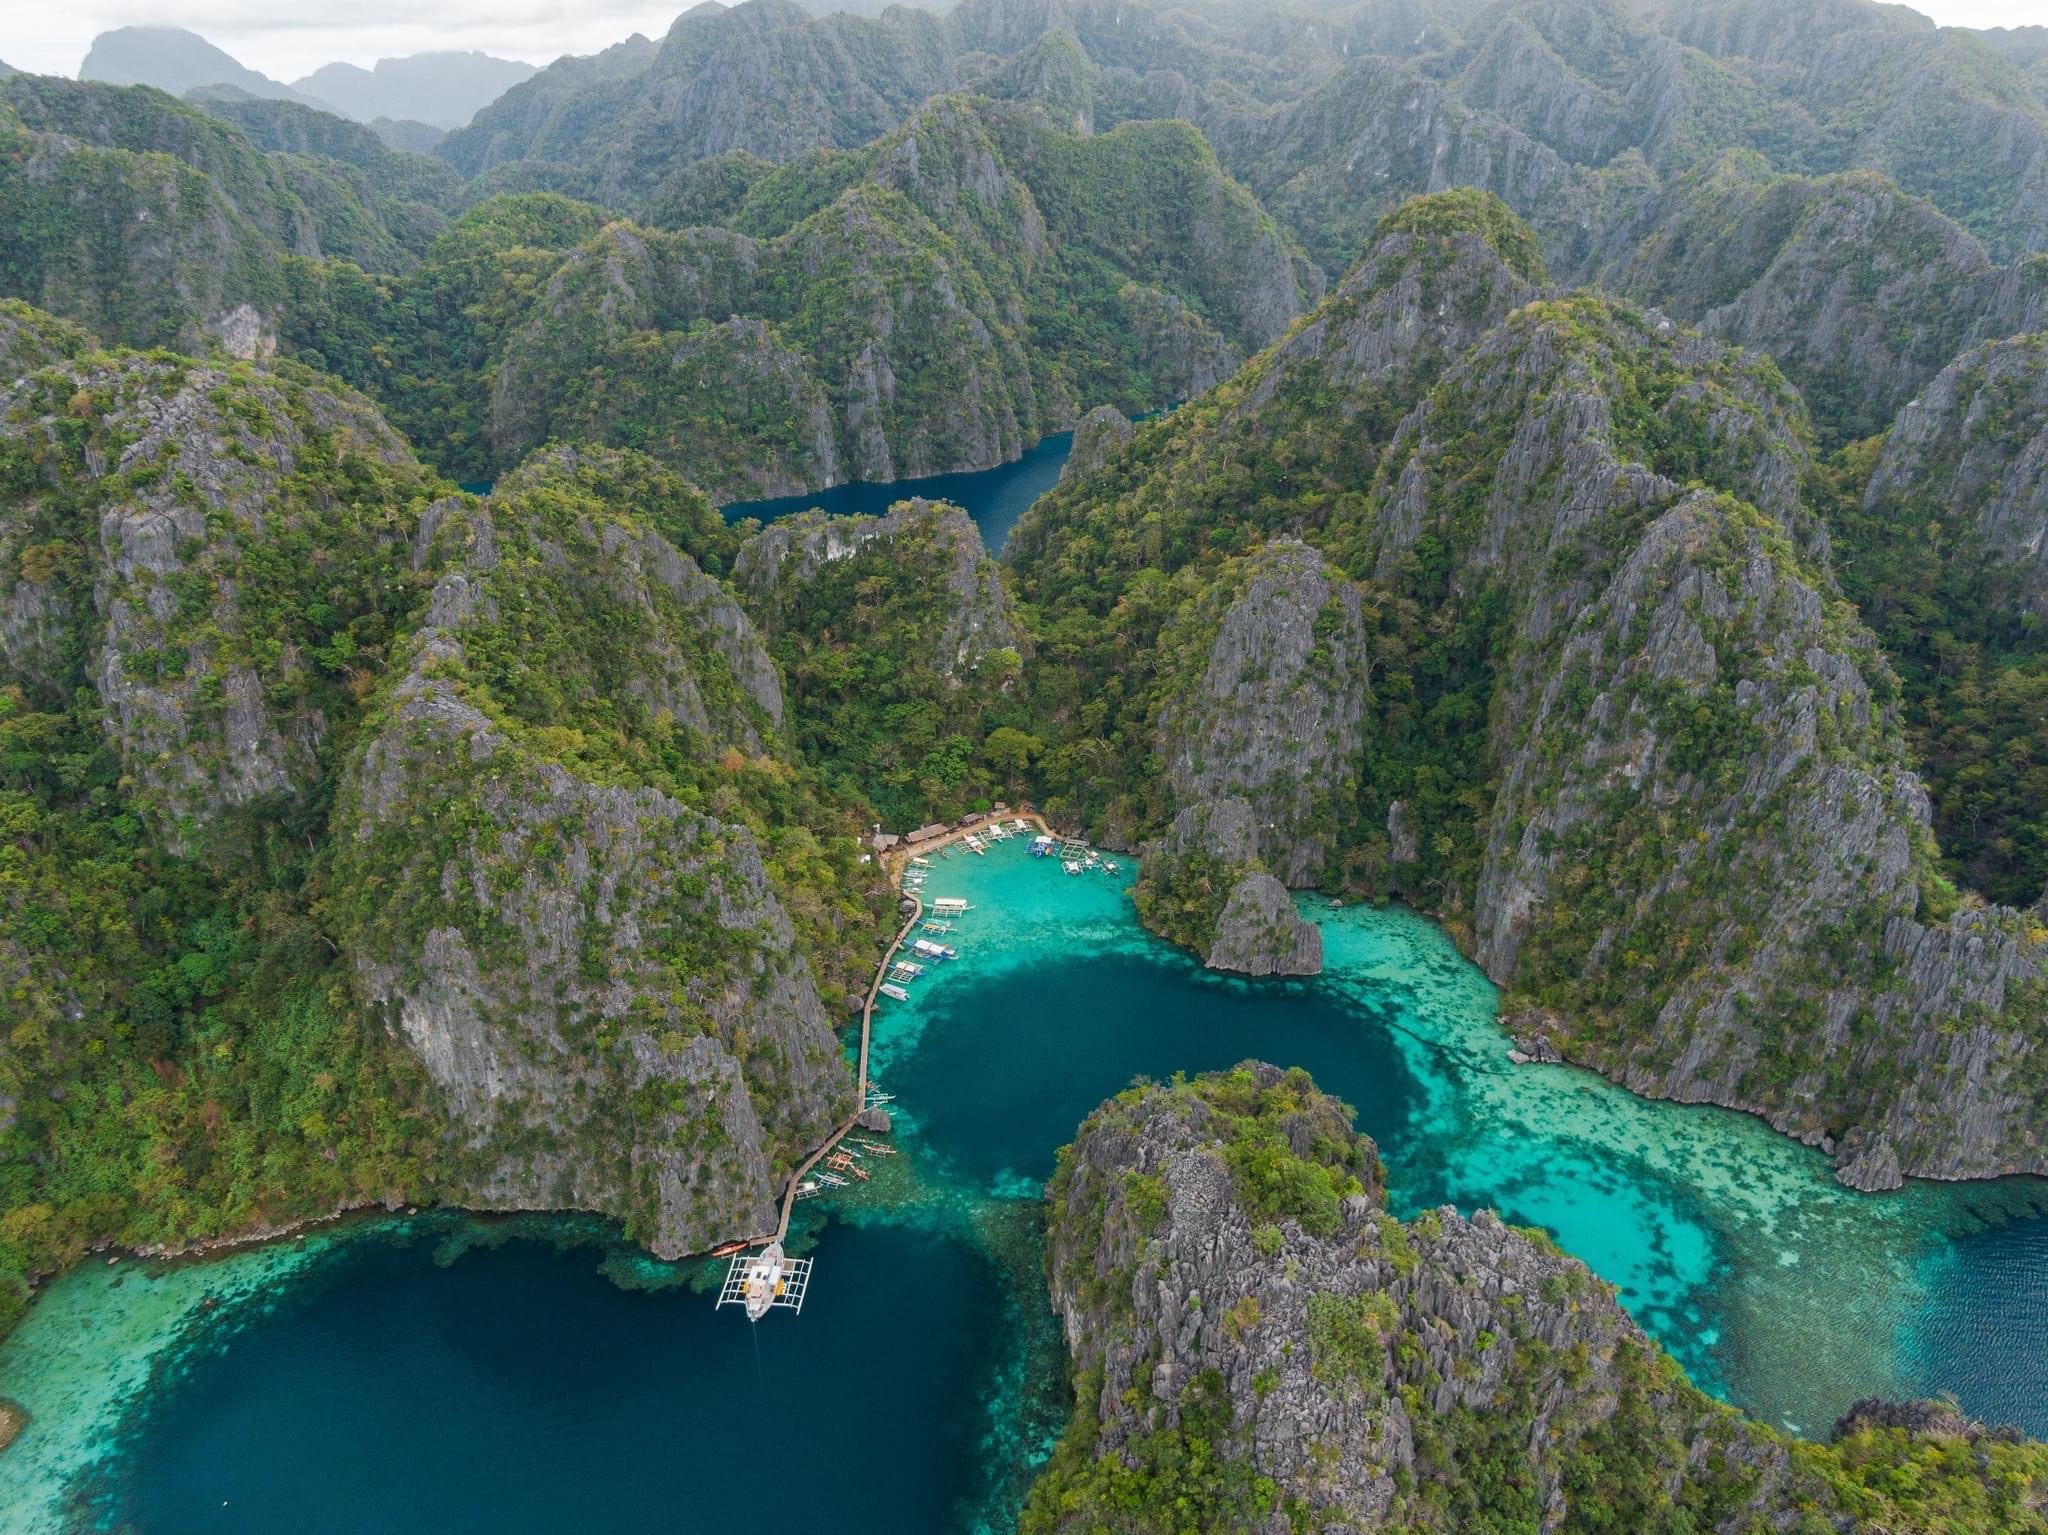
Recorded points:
(1743, 738)
(1253, 675)
(154, 223)
(1971, 455)
(1258, 1345)
(935, 302)
(1858, 290)
(596, 972)
(1648, 762)
(194, 495)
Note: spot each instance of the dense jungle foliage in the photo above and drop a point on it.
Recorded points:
(1647, 666)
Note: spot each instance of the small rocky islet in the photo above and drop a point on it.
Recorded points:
(1590, 494)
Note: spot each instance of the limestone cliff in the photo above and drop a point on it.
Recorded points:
(193, 495)
(601, 979)
(1260, 734)
(1254, 1337)
(1096, 435)
(1858, 290)
(1692, 718)
(1260, 934)
(1256, 682)
(936, 302)
(1605, 711)
(896, 635)
(1971, 455)
(155, 224)
(931, 544)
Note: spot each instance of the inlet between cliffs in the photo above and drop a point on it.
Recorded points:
(528, 1374)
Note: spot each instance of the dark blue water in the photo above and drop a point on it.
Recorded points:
(520, 1390)
(523, 1389)
(1988, 1352)
(995, 1103)
(994, 498)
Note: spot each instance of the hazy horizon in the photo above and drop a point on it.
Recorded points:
(290, 45)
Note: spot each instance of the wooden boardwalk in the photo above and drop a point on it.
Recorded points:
(860, 1092)
(893, 864)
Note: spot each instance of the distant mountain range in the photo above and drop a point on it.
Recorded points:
(441, 90)
(444, 89)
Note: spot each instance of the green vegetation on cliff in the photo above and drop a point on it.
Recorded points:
(1257, 1345)
(210, 575)
(895, 642)
(1609, 690)
(183, 1060)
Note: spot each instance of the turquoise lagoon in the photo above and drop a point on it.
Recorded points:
(436, 1372)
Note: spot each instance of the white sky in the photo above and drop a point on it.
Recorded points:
(290, 39)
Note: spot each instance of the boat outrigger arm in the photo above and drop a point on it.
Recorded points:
(764, 1280)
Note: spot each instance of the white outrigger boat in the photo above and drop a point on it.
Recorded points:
(762, 1281)
(925, 948)
(948, 906)
(894, 992)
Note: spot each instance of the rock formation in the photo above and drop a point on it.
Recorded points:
(1971, 454)
(1246, 1318)
(194, 526)
(1679, 813)
(601, 980)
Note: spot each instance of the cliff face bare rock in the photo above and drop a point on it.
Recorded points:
(1352, 1362)
(1627, 736)
(194, 495)
(1693, 715)
(1274, 715)
(1260, 934)
(601, 980)
(1859, 290)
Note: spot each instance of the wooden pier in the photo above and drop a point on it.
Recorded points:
(893, 863)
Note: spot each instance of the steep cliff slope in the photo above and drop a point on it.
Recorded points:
(898, 644)
(364, 842)
(155, 223)
(161, 536)
(543, 878)
(201, 567)
(936, 302)
(1859, 291)
(1939, 533)
(1622, 730)
(1165, 643)
(1258, 1345)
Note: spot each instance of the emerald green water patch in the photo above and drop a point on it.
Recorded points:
(91, 1346)
(534, 1373)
